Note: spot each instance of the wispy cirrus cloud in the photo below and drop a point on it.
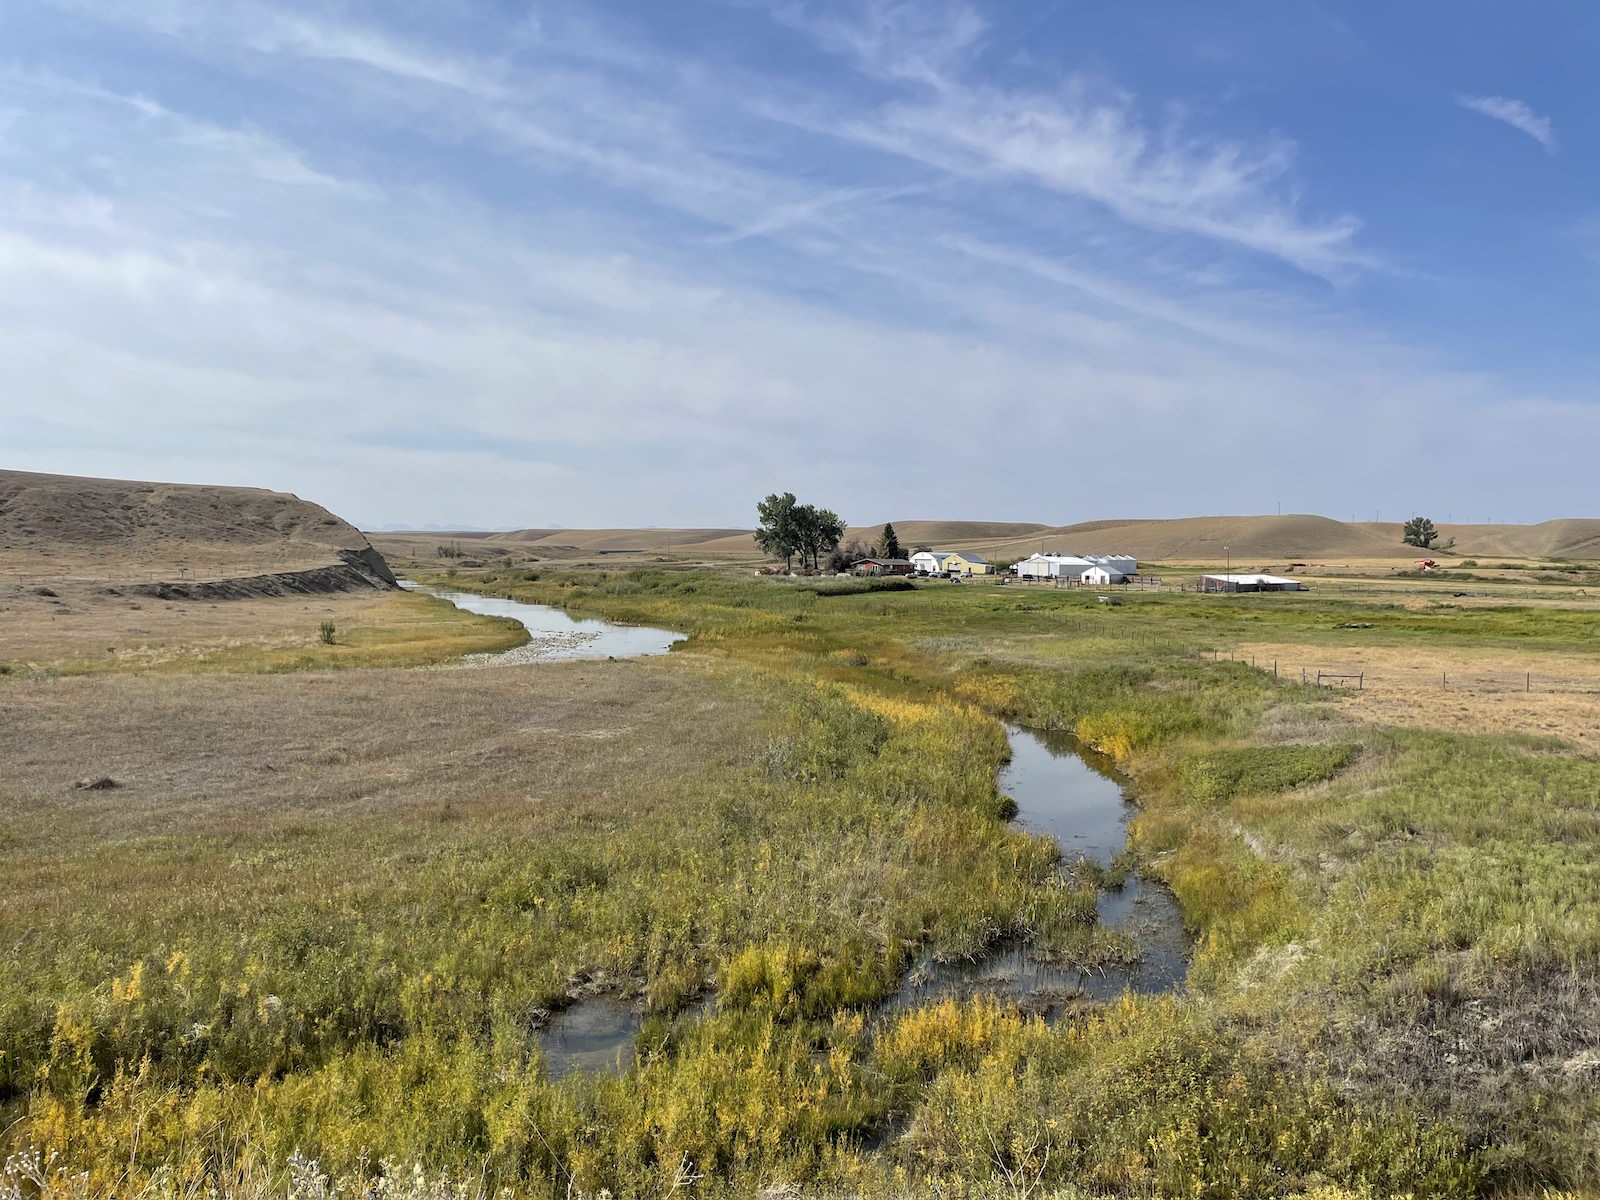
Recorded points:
(1076, 140)
(1514, 113)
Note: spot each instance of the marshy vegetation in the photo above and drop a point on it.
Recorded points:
(1392, 989)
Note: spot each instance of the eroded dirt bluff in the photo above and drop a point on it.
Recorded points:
(195, 541)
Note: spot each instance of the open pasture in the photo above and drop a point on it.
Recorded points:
(328, 912)
(78, 629)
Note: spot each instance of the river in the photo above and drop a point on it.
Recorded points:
(1062, 791)
(553, 634)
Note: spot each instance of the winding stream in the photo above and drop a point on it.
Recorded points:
(554, 635)
(1062, 791)
(1072, 794)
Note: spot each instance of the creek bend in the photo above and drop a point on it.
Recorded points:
(1062, 790)
(1070, 793)
(554, 635)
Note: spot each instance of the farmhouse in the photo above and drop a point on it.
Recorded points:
(883, 566)
(1249, 583)
(949, 562)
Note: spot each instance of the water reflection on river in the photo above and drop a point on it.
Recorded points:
(554, 635)
(1062, 791)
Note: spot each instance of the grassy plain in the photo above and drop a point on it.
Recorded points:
(329, 911)
(81, 629)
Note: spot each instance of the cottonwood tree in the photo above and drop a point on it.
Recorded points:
(777, 534)
(889, 544)
(820, 530)
(1419, 531)
(789, 528)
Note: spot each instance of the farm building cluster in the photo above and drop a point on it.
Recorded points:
(948, 564)
(1094, 570)
(1063, 570)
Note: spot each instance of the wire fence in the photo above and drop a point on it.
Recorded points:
(1425, 676)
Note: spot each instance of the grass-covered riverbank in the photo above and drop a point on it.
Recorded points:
(349, 955)
(91, 630)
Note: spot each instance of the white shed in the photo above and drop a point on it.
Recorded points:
(1102, 577)
(929, 562)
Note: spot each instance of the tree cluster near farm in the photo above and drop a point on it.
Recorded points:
(788, 529)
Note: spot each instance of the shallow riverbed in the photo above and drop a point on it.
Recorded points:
(554, 635)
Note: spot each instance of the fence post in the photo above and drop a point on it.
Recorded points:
(1444, 679)
(1527, 682)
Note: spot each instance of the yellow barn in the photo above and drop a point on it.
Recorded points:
(966, 564)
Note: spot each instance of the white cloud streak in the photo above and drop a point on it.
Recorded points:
(1070, 140)
(620, 296)
(1515, 114)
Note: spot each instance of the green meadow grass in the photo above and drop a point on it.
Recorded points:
(1397, 938)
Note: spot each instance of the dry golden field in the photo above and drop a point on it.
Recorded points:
(317, 764)
(1544, 693)
(76, 628)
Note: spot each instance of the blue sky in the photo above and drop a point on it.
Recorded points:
(628, 263)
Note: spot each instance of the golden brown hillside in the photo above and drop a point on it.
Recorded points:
(1246, 541)
(74, 527)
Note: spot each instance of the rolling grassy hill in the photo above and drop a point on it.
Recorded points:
(117, 529)
(1247, 541)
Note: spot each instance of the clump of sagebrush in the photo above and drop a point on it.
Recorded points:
(1216, 776)
(326, 632)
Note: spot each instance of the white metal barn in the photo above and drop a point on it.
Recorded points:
(1249, 583)
(1117, 564)
(929, 562)
(1053, 566)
